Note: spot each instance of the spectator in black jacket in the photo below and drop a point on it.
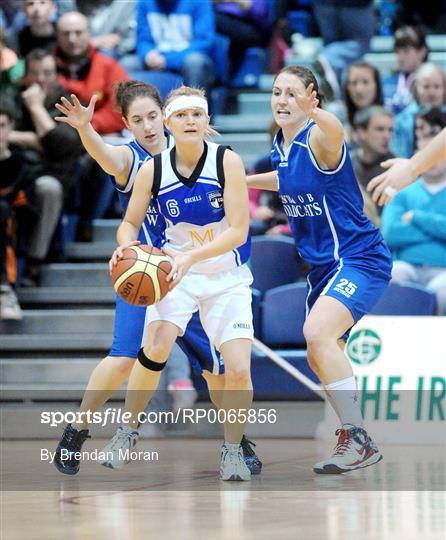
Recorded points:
(15, 177)
(40, 32)
(54, 147)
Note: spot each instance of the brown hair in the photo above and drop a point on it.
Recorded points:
(191, 91)
(127, 91)
(378, 99)
(306, 76)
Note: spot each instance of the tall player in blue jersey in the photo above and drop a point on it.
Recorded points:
(200, 189)
(351, 266)
(140, 105)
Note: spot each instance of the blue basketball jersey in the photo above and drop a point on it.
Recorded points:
(152, 228)
(324, 207)
(193, 207)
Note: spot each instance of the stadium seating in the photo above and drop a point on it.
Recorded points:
(273, 262)
(283, 316)
(256, 312)
(405, 300)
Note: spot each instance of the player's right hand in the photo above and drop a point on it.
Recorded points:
(119, 253)
(398, 175)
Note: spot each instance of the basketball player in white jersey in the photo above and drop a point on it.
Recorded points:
(141, 108)
(200, 189)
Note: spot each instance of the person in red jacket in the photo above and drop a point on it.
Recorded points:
(84, 71)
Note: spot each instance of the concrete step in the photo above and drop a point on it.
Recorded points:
(76, 275)
(385, 62)
(39, 391)
(60, 321)
(94, 251)
(266, 82)
(66, 296)
(54, 371)
(104, 230)
(15, 343)
(246, 144)
(243, 123)
(254, 103)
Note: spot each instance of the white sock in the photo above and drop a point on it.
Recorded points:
(345, 401)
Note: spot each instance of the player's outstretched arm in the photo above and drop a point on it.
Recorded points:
(403, 172)
(266, 181)
(327, 137)
(114, 160)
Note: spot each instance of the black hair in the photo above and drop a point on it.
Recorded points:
(434, 116)
(411, 36)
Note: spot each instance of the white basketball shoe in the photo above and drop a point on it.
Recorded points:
(117, 452)
(233, 466)
(354, 450)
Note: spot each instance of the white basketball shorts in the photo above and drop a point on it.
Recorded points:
(223, 300)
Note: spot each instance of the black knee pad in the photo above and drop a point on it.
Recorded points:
(150, 364)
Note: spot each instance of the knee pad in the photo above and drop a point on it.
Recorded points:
(150, 364)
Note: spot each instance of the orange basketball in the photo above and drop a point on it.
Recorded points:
(140, 276)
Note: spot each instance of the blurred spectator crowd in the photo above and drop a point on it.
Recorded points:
(50, 49)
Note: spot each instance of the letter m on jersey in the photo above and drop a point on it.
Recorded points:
(198, 240)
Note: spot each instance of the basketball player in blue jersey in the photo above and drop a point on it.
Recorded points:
(140, 105)
(351, 266)
(200, 189)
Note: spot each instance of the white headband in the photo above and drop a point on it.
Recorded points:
(186, 102)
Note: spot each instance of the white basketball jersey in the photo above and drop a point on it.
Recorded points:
(193, 207)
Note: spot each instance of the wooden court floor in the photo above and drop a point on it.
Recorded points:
(180, 497)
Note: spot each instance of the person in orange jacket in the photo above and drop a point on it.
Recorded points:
(84, 71)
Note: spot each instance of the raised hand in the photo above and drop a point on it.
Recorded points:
(76, 115)
(307, 101)
(397, 176)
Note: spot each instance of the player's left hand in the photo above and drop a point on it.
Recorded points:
(181, 262)
(307, 101)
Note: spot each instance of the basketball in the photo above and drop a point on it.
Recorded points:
(140, 276)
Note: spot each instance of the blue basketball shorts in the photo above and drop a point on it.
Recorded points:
(129, 330)
(357, 282)
(197, 347)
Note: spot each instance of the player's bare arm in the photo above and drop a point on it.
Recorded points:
(127, 233)
(114, 160)
(266, 181)
(326, 138)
